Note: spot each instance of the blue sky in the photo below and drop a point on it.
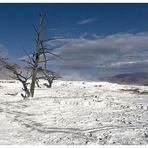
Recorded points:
(98, 39)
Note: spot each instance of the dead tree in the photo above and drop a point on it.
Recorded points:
(24, 81)
(35, 60)
(50, 77)
(40, 53)
(18, 75)
(37, 82)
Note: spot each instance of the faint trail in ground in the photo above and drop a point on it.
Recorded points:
(21, 117)
(82, 112)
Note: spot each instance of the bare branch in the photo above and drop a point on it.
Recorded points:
(35, 29)
(46, 50)
(50, 78)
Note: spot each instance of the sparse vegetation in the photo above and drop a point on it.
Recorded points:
(8, 81)
(135, 90)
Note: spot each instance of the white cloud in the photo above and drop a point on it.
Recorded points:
(116, 51)
(122, 52)
(120, 64)
(86, 21)
(91, 56)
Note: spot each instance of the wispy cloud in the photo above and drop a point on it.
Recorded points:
(122, 51)
(86, 21)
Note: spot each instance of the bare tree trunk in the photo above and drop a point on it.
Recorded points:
(37, 82)
(37, 54)
(50, 82)
(32, 87)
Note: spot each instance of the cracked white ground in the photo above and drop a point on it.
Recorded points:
(74, 112)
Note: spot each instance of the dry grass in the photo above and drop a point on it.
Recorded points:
(8, 81)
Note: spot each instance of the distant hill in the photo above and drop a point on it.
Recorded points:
(6, 74)
(129, 78)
